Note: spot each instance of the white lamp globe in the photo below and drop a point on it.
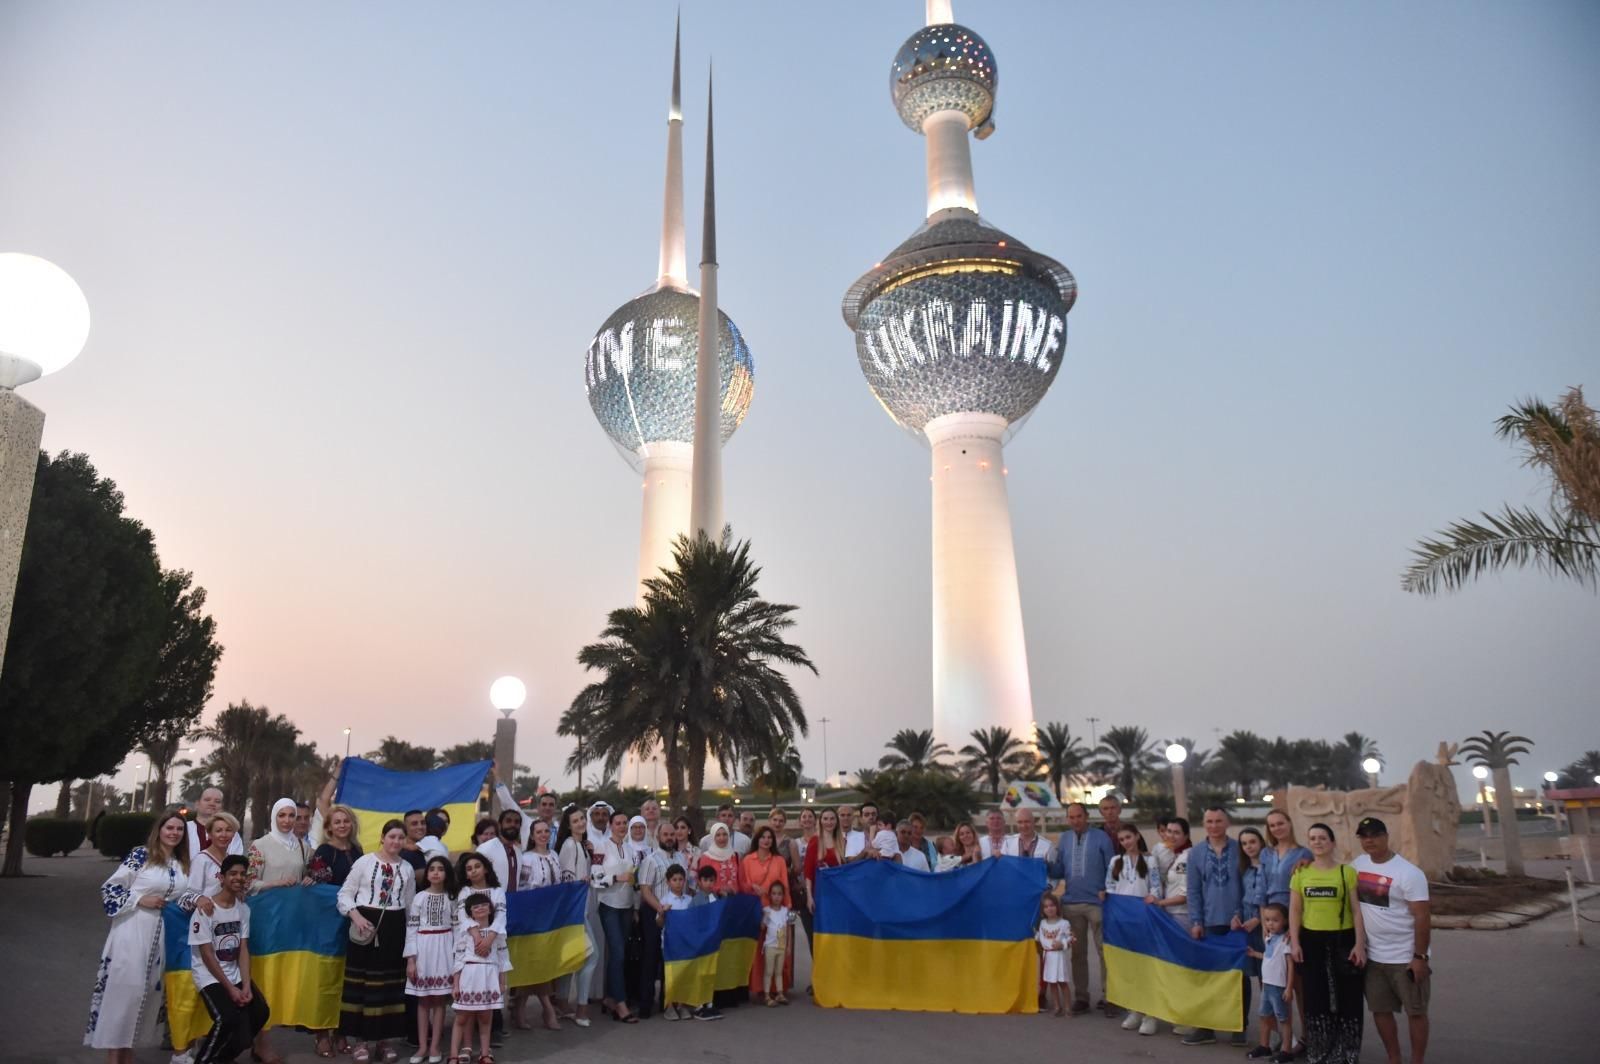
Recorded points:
(1550, 777)
(507, 694)
(1176, 754)
(44, 319)
(1371, 766)
(1481, 771)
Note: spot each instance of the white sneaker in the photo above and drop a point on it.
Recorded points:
(1182, 1032)
(1131, 1020)
(670, 1014)
(185, 1057)
(1148, 1025)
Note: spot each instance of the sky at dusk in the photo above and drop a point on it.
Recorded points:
(344, 262)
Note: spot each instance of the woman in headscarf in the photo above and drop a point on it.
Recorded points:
(279, 858)
(720, 857)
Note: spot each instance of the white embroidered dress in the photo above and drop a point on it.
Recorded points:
(431, 939)
(480, 976)
(127, 985)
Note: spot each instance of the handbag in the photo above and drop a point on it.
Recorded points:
(363, 938)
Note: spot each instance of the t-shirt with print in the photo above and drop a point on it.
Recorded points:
(1325, 895)
(1386, 891)
(224, 931)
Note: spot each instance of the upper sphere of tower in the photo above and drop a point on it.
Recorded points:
(943, 68)
(639, 371)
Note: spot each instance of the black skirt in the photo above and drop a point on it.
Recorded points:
(373, 1006)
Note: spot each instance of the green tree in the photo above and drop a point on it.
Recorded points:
(248, 749)
(1062, 755)
(1582, 771)
(911, 749)
(776, 770)
(468, 752)
(1498, 751)
(1345, 758)
(1241, 759)
(1563, 442)
(86, 628)
(1127, 755)
(183, 681)
(694, 670)
(945, 799)
(993, 754)
(401, 756)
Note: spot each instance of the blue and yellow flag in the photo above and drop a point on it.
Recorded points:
(378, 794)
(1154, 967)
(888, 937)
(297, 942)
(544, 932)
(710, 948)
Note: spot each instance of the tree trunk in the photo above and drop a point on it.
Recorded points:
(18, 825)
(1505, 800)
(669, 753)
(64, 800)
(159, 788)
(697, 780)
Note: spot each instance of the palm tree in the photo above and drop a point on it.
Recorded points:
(1126, 753)
(1347, 756)
(234, 735)
(1497, 751)
(775, 770)
(1062, 755)
(915, 750)
(693, 670)
(1582, 772)
(1242, 759)
(993, 754)
(1563, 442)
(467, 752)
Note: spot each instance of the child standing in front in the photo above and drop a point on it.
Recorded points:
(479, 988)
(219, 950)
(1054, 936)
(676, 897)
(775, 920)
(430, 954)
(1277, 982)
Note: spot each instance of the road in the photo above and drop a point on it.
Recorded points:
(1499, 996)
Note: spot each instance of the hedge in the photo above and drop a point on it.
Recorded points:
(120, 832)
(46, 836)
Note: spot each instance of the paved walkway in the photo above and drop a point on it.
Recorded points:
(1500, 997)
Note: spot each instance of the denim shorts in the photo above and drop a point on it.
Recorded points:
(1272, 1003)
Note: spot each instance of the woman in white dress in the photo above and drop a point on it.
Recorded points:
(539, 867)
(205, 867)
(576, 854)
(279, 858)
(126, 999)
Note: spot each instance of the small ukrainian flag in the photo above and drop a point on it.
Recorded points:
(378, 794)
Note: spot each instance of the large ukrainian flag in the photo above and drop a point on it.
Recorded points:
(378, 794)
(888, 937)
(544, 932)
(297, 943)
(710, 948)
(1154, 967)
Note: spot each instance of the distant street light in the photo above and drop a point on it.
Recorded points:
(1176, 756)
(507, 694)
(1481, 773)
(1371, 766)
(347, 742)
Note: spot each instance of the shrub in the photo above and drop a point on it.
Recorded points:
(120, 832)
(944, 799)
(47, 836)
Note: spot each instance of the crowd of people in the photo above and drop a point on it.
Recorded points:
(427, 928)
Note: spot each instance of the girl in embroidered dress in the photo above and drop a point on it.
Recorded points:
(377, 896)
(475, 874)
(1054, 936)
(479, 990)
(539, 867)
(576, 855)
(430, 954)
(126, 999)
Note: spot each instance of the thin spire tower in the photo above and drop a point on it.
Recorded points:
(705, 506)
(674, 270)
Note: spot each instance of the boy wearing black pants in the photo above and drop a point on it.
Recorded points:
(219, 949)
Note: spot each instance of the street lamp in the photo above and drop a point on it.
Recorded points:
(347, 743)
(44, 323)
(507, 695)
(1481, 773)
(1176, 756)
(1371, 766)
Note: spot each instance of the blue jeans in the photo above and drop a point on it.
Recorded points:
(615, 925)
(1223, 929)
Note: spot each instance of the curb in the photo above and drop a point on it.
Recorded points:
(1516, 916)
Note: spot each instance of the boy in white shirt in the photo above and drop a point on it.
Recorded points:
(219, 949)
(1277, 982)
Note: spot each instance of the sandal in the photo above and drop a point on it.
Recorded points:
(487, 1058)
(324, 1046)
(362, 1055)
(388, 1054)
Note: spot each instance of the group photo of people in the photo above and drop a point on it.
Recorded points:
(426, 966)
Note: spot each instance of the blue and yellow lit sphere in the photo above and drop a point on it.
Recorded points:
(943, 68)
(639, 371)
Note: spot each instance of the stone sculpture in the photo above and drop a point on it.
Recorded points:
(1421, 814)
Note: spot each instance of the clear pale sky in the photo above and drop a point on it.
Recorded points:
(344, 261)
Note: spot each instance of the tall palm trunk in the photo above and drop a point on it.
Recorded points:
(1505, 801)
(674, 765)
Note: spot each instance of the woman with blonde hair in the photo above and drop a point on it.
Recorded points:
(205, 869)
(331, 863)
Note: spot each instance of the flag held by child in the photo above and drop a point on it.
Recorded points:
(378, 794)
(544, 932)
(710, 947)
(1153, 966)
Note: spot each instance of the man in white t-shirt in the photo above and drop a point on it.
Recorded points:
(911, 855)
(1394, 907)
(219, 954)
(858, 845)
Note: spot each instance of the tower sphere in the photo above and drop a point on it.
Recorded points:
(639, 372)
(943, 68)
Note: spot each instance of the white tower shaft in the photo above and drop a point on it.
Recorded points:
(674, 270)
(980, 661)
(950, 181)
(940, 13)
(705, 512)
(668, 473)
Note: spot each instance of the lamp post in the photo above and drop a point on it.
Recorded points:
(824, 722)
(44, 322)
(1481, 773)
(507, 695)
(1176, 756)
(1549, 785)
(347, 743)
(1371, 766)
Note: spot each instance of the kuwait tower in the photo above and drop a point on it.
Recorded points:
(960, 331)
(640, 373)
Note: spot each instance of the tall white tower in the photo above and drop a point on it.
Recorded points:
(960, 331)
(641, 368)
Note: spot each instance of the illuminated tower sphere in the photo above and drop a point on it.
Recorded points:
(960, 331)
(639, 373)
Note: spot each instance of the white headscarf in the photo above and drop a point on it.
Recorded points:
(721, 848)
(638, 849)
(287, 839)
(598, 836)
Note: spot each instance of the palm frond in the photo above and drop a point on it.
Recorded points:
(1513, 539)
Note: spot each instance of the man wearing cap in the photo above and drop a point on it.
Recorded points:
(1394, 906)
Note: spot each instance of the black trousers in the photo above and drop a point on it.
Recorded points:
(650, 967)
(1333, 989)
(233, 1027)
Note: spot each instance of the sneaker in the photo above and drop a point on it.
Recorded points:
(1182, 1032)
(708, 1012)
(1200, 1038)
(1148, 1025)
(670, 1014)
(1131, 1020)
(185, 1057)
(1259, 1053)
